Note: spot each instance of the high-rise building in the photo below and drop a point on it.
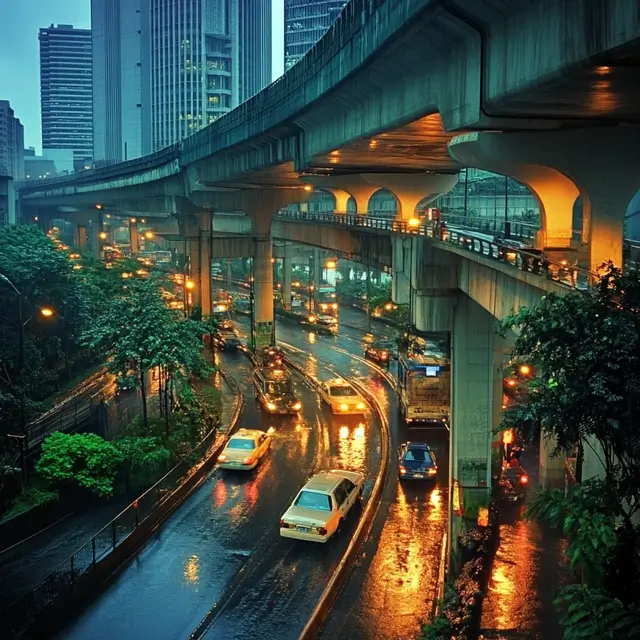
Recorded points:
(253, 50)
(11, 143)
(65, 91)
(206, 57)
(305, 22)
(121, 80)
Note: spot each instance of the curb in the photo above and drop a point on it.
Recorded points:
(341, 573)
(57, 614)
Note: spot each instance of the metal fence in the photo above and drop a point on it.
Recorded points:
(524, 259)
(19, 616)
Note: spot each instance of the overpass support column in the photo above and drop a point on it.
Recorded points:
(229, 275)
(434, 283)
(601, 163)
(410, 190)
(80, 237)
(476, 405)
(200, 259)
(263, 284)
(134, 237)
(287, 264)
(401, 262)
(97, 241)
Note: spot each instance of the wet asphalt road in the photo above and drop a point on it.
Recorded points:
(393, 584)
(192, 565)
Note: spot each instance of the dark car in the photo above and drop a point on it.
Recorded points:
(226, 340)
(272, 357)
(378, 352)
(416, 461)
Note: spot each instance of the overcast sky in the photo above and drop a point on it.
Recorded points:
(19, 63)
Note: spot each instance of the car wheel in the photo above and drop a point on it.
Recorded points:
(361, 494)
(340, 526)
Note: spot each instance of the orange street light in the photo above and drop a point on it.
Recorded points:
(103, 235)
(47, 312)
(308, 187)
(190, 284)
(98, 206)
(330, 264)
(148, 235)
(525, 369)
(388, 306)
(414, 222)
(132, 220)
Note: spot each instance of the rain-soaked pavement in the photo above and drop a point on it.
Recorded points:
(393, 584)
(527, 572)
(220, 557)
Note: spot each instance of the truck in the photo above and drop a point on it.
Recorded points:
(425, 382)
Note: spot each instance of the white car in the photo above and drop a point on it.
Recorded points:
(342, 397)
(322, 505)
(245, 449)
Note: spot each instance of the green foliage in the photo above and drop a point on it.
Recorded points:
(590, 614)
(585, 352)
(146, 460)
(137, 332)
(80, 460)
(28, 499)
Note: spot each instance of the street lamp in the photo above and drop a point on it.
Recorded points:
(46, 312)
(189, 285)
(149, 235)
(102, 235)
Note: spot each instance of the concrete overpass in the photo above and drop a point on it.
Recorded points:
(377, 103)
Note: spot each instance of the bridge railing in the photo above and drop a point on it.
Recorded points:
(529, 260)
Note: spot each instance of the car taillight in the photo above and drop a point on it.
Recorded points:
(524, 479)
(383, 355)
(432, 471)
(322, 531)
(222, 458)
(248, 460)
(403, 470)
(284, 525)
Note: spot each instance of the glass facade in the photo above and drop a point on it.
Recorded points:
(119, 84)
(305, 22)
(11, 143)
(66, 91)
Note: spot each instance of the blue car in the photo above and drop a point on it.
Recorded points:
(416, 461)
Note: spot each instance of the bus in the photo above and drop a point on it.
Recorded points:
(425, 384)
(326, 301)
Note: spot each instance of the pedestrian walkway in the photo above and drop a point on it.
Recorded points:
(25, 564)
(528, 570)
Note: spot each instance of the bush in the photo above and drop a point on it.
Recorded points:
(82, 460)
(145, 460)
(30, 499)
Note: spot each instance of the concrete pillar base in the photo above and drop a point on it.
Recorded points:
(134, 238)
(287, 267)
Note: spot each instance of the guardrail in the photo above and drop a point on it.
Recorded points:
(17, 619)
(529, 260)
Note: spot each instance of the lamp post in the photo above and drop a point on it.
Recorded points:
(273, 324)
(368, 297)
(22, 323)
(252, 311)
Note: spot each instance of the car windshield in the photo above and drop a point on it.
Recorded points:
(278, 388)
(241, 443)
(312, 500)
(417, 455)
(341, 392)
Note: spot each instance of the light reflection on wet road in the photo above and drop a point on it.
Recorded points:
(393, 584)
(169, 586)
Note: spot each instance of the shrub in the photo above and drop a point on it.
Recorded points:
(30, 499)
(82, 460)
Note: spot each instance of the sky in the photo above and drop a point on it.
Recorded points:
(19, 61)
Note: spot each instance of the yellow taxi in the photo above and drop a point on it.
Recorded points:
(245, 449)
(322, 505)
(341, 397)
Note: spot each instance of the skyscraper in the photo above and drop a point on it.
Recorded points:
(11, 143)
(253, 37)
(65, 90)
(305, 22)
(121, 80)
(206, 57)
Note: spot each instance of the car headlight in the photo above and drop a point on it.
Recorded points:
(297, 406)
(344, 407)
(360, 405)
(271, 406)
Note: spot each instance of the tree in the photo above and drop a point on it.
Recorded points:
(585, 393)
(146, 459)
(82, 459)
(138, 332)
